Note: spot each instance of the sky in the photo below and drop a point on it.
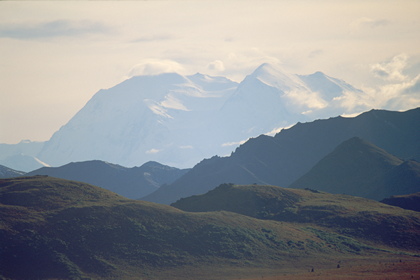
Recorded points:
(54, 56)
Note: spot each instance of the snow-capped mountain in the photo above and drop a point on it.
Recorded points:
(21, 156)
(165, 118)
(179, 120)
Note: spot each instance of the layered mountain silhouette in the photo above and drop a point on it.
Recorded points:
(284, 158)
(132, 182)
(22, 156)
(57, 229)
(179, 120)
(6, 172)
(359, 168)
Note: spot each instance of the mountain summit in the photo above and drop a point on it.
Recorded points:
(178, 120)
(357, 167)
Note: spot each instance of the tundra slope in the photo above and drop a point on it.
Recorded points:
(58, 229)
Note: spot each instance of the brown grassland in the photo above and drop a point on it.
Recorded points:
(383, 269)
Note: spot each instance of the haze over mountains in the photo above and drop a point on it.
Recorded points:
(132, 182)
(179, 120)
(284, 158)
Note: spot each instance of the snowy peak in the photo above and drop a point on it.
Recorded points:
(327, 86)
(275, 76)
(210, 83)
(179, 120)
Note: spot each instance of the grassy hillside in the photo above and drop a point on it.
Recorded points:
(351, 216)
(57, 229)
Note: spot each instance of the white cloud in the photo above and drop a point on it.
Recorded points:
(155, 67)
(277, 130)
(391, 70)
(308, 99)
(50, 29)
(152, 151)
(401, 92)
(228, 144)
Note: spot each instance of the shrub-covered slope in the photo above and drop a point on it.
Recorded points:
(351, 216)
(58, 229)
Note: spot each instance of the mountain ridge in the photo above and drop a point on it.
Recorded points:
(283, 158)
(178, 120)
(131, 183)
(359, 168)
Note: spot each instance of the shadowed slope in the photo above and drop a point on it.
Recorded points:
(282, 159)
(132, 182)
(359, 168)
(409, 202)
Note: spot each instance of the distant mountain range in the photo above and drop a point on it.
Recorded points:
(6, 172)
(359, 168)
(132, 182)
(290, 154)
(22, 156)
(57, 229)
(179, 120)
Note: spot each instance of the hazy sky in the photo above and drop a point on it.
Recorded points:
(54, 56)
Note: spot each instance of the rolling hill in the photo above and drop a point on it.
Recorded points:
(357, 167)
(409, 202)
(58, 229)
(132, 182)
(351, 216)
(282, 159)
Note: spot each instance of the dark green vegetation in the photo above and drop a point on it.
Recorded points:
(343, 215)
(410, 202)
(58, 229)
(132, 182)
(359, 168)
(6, 172)
(284, 158)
